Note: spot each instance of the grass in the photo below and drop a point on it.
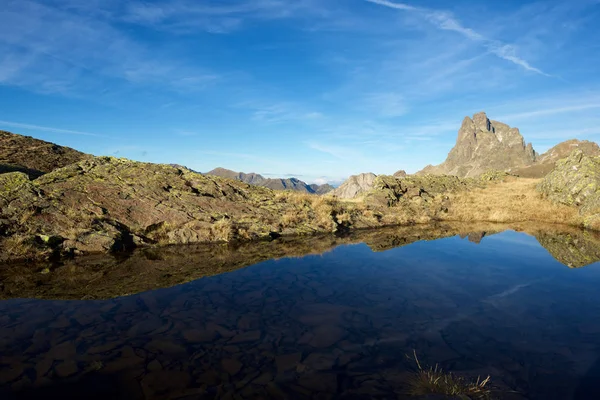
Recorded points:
(434, 380)
(515, 200)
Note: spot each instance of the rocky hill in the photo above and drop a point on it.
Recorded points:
(482, 145)
(271, 183)
(546, 162)
(32, 156)
(108, 204)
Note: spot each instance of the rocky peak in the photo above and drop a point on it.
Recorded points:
(483, 144)
(482, 122)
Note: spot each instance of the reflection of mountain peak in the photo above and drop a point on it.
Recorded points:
(474, 237)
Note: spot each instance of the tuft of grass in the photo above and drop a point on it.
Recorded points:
(223, 230)
(433, 380)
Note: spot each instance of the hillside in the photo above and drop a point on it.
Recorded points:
(271, 183)
(107, 204)
(546, 162)
(32, 156)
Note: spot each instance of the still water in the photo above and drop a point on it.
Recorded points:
(320, 318)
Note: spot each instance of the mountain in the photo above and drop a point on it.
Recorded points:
(251, 178)
(32, 156)
(355, 185)
(271, 183)
(482, 145)
(321, 189)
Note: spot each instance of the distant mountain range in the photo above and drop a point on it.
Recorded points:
(272, 183)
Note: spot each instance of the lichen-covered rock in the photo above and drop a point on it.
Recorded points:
(575, 181)
(389, 190)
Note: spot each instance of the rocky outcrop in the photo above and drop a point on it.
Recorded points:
(355, 186)
(546, 162)
(576, 182)
(272, 183)
(400, 174)
(484, 145)
(32, 156)
(389, 191)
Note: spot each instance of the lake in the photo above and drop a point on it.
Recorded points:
(320, 317)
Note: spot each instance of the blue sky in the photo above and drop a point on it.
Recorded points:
(318, 89)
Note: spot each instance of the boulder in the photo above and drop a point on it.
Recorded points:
(576, 182)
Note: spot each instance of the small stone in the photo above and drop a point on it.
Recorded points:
(251, 336)
(231, 366)
(287, 362)
(66, 369)
(326, 336)
(154, 365)
(63, 351)
(263, 379)
(199, 336)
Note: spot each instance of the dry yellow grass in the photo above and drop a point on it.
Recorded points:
(514, 200)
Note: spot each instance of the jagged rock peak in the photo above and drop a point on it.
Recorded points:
(483, 144)
(482, 122)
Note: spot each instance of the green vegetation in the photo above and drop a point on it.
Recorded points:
(433, 380)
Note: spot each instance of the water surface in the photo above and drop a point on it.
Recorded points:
(338, 324)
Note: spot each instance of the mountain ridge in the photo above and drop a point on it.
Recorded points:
(253, 178)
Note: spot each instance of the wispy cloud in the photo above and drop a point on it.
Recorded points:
(336, 151)
(446, 21)
(53, 49)
(20, 125)
(550, 111)
(386, 104)
(275, 112)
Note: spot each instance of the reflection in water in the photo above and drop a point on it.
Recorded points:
(330, 325)
(103, 277)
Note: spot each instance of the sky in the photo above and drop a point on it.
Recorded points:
(316, 89)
